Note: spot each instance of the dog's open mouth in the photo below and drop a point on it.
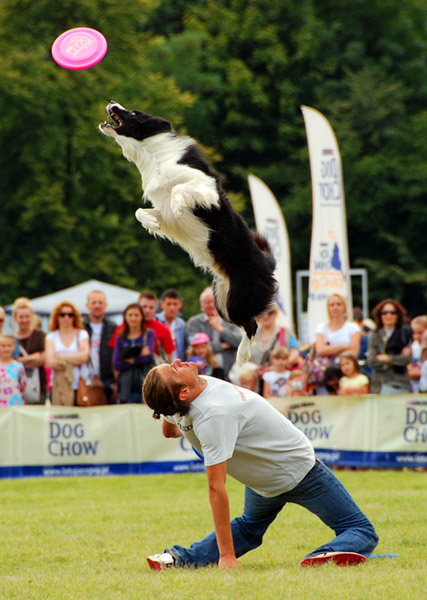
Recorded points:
(117, 120)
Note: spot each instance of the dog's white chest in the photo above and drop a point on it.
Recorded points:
(187, 230)
(175, 190)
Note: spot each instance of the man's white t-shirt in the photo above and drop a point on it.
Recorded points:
(172, 328)
(340, 336)
(263, 449)
(95, 348)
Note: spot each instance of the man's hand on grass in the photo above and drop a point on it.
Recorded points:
(229, 562)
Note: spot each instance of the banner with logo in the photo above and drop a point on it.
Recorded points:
(61, 440)
(368, 431)
(271, 224)
(329, 259)
(362, 431)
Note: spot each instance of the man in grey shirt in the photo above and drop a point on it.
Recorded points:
(224, 337)
(239, 433)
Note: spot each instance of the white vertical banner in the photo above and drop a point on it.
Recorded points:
(329, 258)
(271, 224)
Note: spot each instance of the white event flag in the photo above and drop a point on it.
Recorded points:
(329, 258)
(271, 224)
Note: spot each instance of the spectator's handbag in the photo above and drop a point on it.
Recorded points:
(314, 366)
(62, 388)
(283, 338)
(161, 357)
(91, 392)
(32, 391)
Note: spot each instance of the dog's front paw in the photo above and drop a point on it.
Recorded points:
(147, 219)
(178, 204)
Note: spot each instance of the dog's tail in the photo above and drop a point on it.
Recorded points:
(265, 248)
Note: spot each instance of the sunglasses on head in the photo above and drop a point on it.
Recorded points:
(62, 314)
(388, 312)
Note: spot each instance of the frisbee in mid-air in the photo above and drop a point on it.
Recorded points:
(79, 48)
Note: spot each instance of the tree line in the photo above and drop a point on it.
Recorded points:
(232, 74)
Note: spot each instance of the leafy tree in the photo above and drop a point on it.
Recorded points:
(68, 196)
(252, 64)
(233, 74)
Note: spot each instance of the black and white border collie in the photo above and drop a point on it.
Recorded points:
(191, 209)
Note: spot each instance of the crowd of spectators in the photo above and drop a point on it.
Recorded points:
(94, 360)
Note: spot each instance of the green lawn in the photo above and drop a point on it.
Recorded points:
(87, 538)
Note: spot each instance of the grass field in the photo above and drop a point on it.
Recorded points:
(84, 538)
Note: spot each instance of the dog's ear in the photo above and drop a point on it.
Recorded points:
(164, 125)
(152, 125)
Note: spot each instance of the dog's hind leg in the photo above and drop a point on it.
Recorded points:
(251, 328)
(244, 350)
(221, 287)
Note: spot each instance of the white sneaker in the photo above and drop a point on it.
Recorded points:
(346, 559)
(159, 562)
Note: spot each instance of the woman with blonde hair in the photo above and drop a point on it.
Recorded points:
(339, 334)
(31, 345)
(67, 348)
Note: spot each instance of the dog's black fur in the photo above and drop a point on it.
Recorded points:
(190, 208)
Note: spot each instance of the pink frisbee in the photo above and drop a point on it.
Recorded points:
(79, 48)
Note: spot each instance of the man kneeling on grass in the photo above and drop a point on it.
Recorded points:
(241, 434)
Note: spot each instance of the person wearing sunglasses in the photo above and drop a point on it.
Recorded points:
(67, 348)
(389, 350)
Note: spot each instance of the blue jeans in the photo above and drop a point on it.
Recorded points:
(320, 492)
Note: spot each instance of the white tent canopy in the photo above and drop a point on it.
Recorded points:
(117, 298)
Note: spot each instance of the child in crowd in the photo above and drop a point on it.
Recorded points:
(200, 346)
(353, 381)
(249, 380)
(331, 381)
(200, 362)
(297, 383)
(276, 379)
(419, 328)
(12, 374)
(423, 376)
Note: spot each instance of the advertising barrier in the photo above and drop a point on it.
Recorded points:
(363, 431)
(108, 440)
(49, 441)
